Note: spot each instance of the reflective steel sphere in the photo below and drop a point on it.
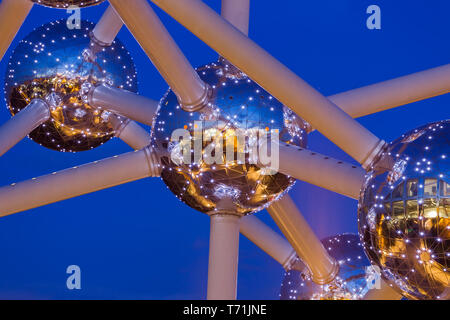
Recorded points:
(51, 63)
(356, 276)
(237, 104)
(403, 213)
(67, 3)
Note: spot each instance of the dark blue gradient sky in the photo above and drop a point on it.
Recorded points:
(137, 241)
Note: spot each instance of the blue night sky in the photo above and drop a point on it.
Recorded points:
(137, 241)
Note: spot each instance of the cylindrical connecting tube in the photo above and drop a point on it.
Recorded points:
(77, 181)
(223, 257)
(268, 240)
(395, 92)
(12, 15)
(322, 266)
(144, 24)
(107, 28)
(237, 12)
(126, 103)
(130, 132)
(323, 171)
(25, 121)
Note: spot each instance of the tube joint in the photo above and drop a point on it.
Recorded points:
(154, 165)
(326, 278)
(374, 155)
(293, 262)
(119, 123)
(95, 46)
(200, 103)
(44, 108)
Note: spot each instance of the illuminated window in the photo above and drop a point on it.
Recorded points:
(430, 209)
(411, 188)
(444, 208)
(430, 188)
(398, 209)
(411, 209)
(444, 188)
(398, 191)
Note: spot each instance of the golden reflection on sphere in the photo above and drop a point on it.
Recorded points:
(403, 213)
(63, 4)
(237, 103)
(49, 64)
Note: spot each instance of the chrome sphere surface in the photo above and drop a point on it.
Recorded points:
(355, 278)
(236, 103)
(403, 213)
(51, 64)
(67, 3)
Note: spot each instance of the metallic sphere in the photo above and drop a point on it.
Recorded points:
(67, 3)
(403, 213)
(356, 275)
(237, 104)
(53, 63)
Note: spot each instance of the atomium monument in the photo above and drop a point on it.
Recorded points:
(72, 90)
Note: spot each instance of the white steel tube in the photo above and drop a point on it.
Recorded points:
(268, 240)
(308, 247)
(162, 50)
(281, 82)
(134, 135)
(130, 132)
(395, 92)
(108, 27)
(223, 257)
(322, 171)
(237, 12)
(12, 15)
(126, 103)
(25, 121)
(385, 292)
(369, 99)
(77, 181)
